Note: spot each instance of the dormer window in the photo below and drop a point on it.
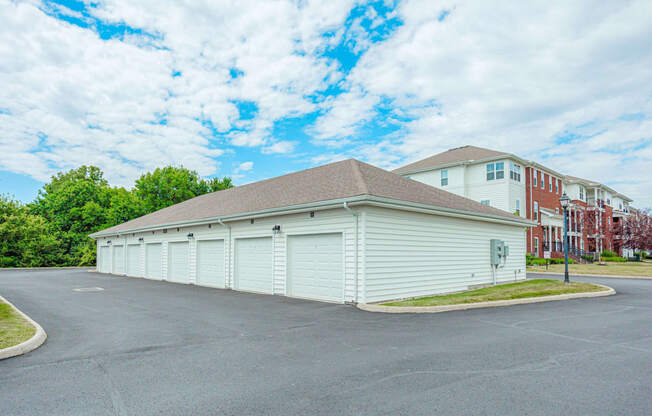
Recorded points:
(444, 177)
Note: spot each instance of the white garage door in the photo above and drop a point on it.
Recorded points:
(118, 259)
(153, 262)
(133, 260)
(178, 262)
(210, 263)
(105, 260)
(315, 267)
(253, 265)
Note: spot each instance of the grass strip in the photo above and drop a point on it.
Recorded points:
(526, 289)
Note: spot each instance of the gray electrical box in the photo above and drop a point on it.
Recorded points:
(499, 252)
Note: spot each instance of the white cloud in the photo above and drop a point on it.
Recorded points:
(509, 76)
(280, 147)
(245, 166)
(115, 103)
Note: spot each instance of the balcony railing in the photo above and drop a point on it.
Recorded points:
(555, 246)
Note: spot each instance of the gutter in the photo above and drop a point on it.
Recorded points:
(335, 203)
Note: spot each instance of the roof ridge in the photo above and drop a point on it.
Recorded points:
(359, 176)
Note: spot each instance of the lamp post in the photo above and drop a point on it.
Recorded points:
(564, 201)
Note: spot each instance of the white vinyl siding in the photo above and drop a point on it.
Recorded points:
(178, 270)
(316, 266)
(118, 259)
(154, 261)
(411, 254)
(254, 270)
(133, 260)
(210, 263)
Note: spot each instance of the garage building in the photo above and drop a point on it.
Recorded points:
(342, 232)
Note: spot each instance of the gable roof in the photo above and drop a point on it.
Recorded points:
(339, 180)
(458, 154)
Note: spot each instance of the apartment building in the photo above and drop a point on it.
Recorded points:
(530, 190)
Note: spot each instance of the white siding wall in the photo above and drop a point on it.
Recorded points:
(517, 191)
(327, 221)
(496, 191)
(403, 254)
(573, 191)
(471, 181)
(456, 179)
(411, 254)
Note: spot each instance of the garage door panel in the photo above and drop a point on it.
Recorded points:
(118, 260)
(210, 263)
(153, 261)
(105, 254)
(133, 260)
(315, 266)
(254, 265)
(178, 270)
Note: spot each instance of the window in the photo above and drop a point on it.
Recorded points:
(485, 202)
(514, 172)
(550, 183)
(444, 177)
(557, 186)
(536, 178)
(608, 201)
(536, 210)
(495, 171)
(581, 194)
(556, 210)
(536, 246)
(518, 207)
(543, 182)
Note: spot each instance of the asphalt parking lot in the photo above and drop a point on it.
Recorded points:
(141, 347)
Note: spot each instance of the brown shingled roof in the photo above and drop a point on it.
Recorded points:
(458, 154)
(348, 178)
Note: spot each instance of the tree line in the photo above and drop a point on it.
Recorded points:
(53, 229)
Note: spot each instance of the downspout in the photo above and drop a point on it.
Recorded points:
(355, 248)
(219, 220)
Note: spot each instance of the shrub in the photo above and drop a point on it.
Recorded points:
(614, 259)
(537, 261)
(608, 253)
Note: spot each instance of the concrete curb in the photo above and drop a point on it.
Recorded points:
(463, 306)
(24, 347)
(593, 275)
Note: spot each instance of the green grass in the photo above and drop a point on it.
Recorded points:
(631, 268)
(525, 289)
(14, 329)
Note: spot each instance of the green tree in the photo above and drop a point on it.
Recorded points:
(171, 185)
(26, 240)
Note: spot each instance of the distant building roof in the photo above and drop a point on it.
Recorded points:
(348, 178)
(458, 154)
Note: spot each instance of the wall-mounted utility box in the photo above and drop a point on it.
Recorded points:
(499, 252)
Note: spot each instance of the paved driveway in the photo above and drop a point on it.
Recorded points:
(142, 347)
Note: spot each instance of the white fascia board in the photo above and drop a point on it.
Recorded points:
(323, 205)
(449, 212)
(312, 206)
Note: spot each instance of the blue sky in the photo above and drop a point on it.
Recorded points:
(265, 88)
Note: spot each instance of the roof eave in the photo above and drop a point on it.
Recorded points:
(463, 162)
(321, 205)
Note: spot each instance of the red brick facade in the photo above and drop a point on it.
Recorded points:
(541, 196)
(582, 222)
